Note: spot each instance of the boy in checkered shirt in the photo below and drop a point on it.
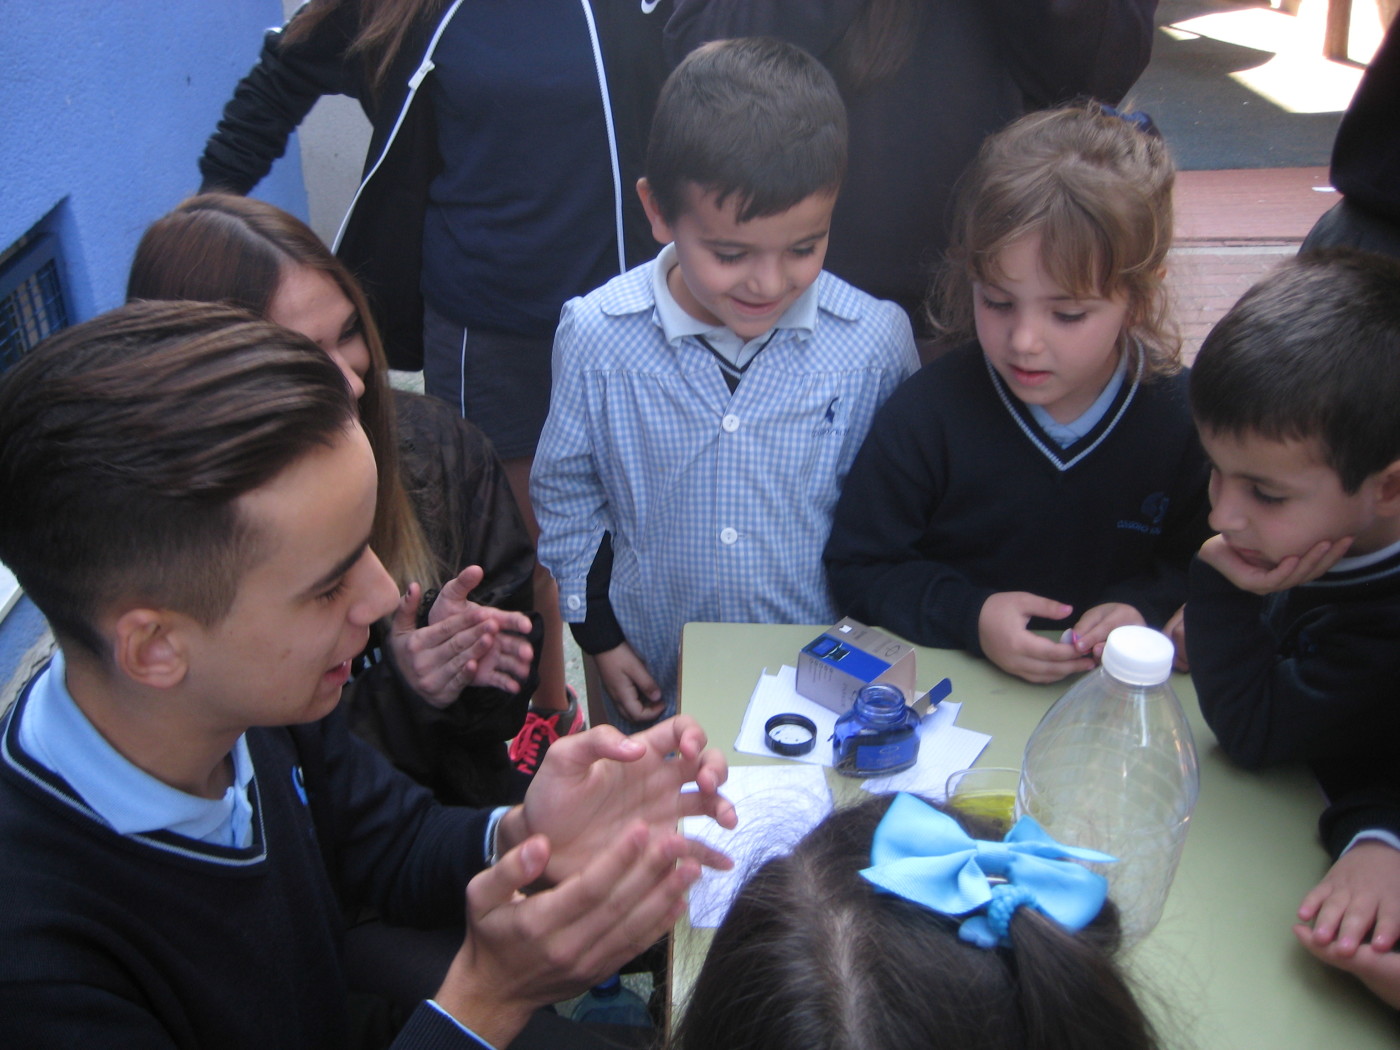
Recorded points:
(707, 405)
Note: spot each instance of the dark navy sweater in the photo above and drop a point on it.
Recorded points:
(161, 941)
(1309, 674)
(958, 494)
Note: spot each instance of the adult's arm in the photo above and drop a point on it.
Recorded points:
(455, 750)
(1055, 49)
(271, 101)
(599, 827)
(1058, 50)
(813, 25)
(61, 1016)
(97, 988)
(1308, 694)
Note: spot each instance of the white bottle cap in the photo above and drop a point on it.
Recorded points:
(1138, 655)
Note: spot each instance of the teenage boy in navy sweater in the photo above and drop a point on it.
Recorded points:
(183, 815)
(1293, 614)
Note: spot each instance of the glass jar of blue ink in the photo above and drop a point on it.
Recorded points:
(879, 735)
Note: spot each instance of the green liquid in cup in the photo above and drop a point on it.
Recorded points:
(996, 806)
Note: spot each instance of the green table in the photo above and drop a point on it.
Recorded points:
(1222, 969)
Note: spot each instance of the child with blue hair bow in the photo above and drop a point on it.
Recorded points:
(893, 924)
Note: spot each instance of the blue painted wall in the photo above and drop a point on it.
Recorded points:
(106, 106)
(104, 109)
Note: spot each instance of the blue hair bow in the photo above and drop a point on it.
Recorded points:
(923, 855)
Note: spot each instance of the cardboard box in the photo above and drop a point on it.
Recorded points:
(834, 666)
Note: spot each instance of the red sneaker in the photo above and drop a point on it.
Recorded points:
(539, 731)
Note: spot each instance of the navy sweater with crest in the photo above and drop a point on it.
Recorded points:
(958, 494)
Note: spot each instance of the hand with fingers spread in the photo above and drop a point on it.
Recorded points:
(1091, 632)
(593, 785)
(1006, 641)
(1357, 901)
(464, 644)
(630, 684)
(523, 952)
(1292, 571)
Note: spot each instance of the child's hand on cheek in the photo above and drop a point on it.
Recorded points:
(1290, 572)
(1091, 632)
(1001, 629)
(630, 684)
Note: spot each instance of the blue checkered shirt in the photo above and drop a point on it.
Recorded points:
(719, 504)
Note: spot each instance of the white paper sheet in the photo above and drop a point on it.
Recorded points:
(776, 805)
(777, 694)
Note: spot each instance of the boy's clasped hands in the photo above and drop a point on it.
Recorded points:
(1359, 896)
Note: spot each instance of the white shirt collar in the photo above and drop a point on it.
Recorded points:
(1364, 561)
(677, 324)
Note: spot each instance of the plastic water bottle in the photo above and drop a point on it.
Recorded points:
(611, 1003)
(1112, 766)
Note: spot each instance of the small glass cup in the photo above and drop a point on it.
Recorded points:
(985, 792)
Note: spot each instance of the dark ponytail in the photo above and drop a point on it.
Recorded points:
(1071, 992)
(813, 957)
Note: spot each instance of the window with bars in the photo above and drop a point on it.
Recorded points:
(32, 304)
